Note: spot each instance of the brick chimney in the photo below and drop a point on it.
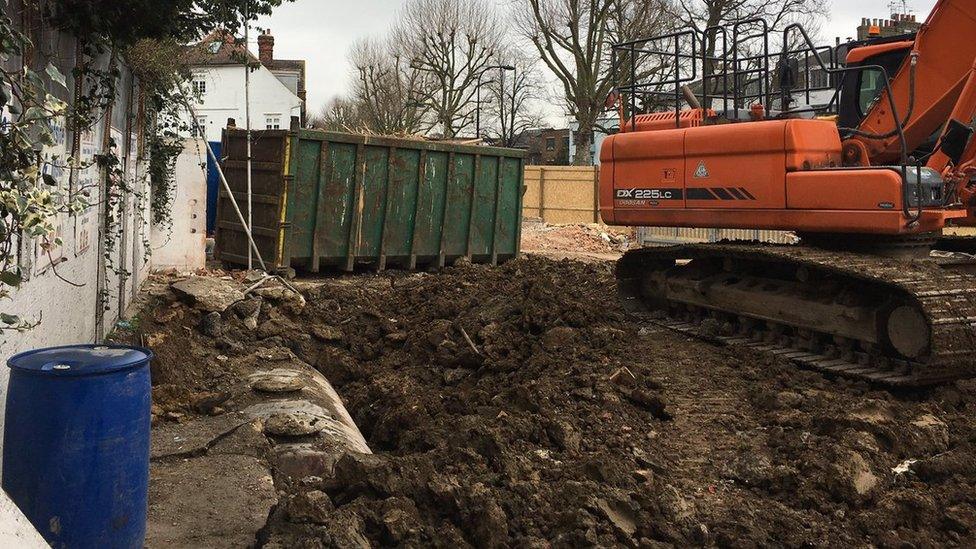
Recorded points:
(266, 47)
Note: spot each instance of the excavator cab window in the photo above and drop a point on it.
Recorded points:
(861, 89)
(872, 84)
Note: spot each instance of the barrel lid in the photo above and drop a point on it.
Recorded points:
(80, 360)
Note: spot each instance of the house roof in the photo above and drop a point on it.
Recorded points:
(229, 52)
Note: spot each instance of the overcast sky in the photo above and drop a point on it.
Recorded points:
(321, 31)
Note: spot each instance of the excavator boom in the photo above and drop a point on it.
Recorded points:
(935, 83)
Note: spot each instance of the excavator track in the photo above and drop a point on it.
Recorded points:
(898, 322)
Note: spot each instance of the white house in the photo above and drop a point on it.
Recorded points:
(277, 93)
(277, 87)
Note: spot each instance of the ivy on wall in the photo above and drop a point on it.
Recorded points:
(146, 35)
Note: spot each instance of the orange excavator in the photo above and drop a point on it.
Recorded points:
(864, 150)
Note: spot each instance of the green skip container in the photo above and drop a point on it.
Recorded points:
(334, 200)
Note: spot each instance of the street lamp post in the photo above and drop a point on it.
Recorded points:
(477, 124)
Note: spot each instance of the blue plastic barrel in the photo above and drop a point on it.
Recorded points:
(76, 443)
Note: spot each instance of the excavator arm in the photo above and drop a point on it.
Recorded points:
(935, 83)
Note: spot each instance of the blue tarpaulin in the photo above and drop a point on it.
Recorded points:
(213, 188)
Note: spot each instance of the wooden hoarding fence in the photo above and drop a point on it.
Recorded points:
(562, 194)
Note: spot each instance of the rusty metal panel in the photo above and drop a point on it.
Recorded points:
(343, 200)
(269, 152)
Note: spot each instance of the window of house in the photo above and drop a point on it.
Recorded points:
(200, 128)
(272, 121)
(199, 86)
(550, 143)
(214, 46)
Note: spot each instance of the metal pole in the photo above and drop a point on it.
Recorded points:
(501, 102)
(247, 119)
(230, 193)
(477, 124)
(233, 202)
(477, 109)
(514, 90)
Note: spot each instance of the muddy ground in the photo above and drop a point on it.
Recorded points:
(519, 406)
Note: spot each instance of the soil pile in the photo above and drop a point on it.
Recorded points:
(592, 238)
(519, 406)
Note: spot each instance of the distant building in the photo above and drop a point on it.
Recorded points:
(291, 72)
(545, 146)
(610, 123)
(277, 87)
(899, 24)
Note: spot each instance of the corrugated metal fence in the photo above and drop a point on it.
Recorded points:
(649, 236)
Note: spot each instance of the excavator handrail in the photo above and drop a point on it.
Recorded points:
(630, 47)
(765, 89)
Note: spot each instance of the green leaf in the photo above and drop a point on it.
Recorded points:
(9, 320)
(34, 113)
(49, 179)
(4, 94)
(34, 80)
(56, 76)
(10, 278)
(46, 138)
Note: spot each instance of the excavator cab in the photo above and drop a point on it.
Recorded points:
(859, 93)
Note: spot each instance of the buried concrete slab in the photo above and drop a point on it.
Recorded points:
(278, 381)
(174, 440)
(213, 477)
(208, 293)
(216, 501)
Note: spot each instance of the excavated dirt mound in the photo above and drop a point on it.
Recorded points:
(519, 406)
(592, 238)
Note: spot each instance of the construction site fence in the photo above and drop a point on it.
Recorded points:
(650, 236)
(562, 194)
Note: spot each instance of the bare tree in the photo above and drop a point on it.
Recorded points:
(339, 114)
(703, 15)
(574, 38)
(510, 100)
(386, 89)
(450, 42)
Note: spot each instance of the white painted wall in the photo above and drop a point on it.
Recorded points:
(182, 245)
(64, 297)
(224, 98)
(598, 137)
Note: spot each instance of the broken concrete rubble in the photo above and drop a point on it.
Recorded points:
(209, 294)
(309, 430)
(293, 424)
(278, 381)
